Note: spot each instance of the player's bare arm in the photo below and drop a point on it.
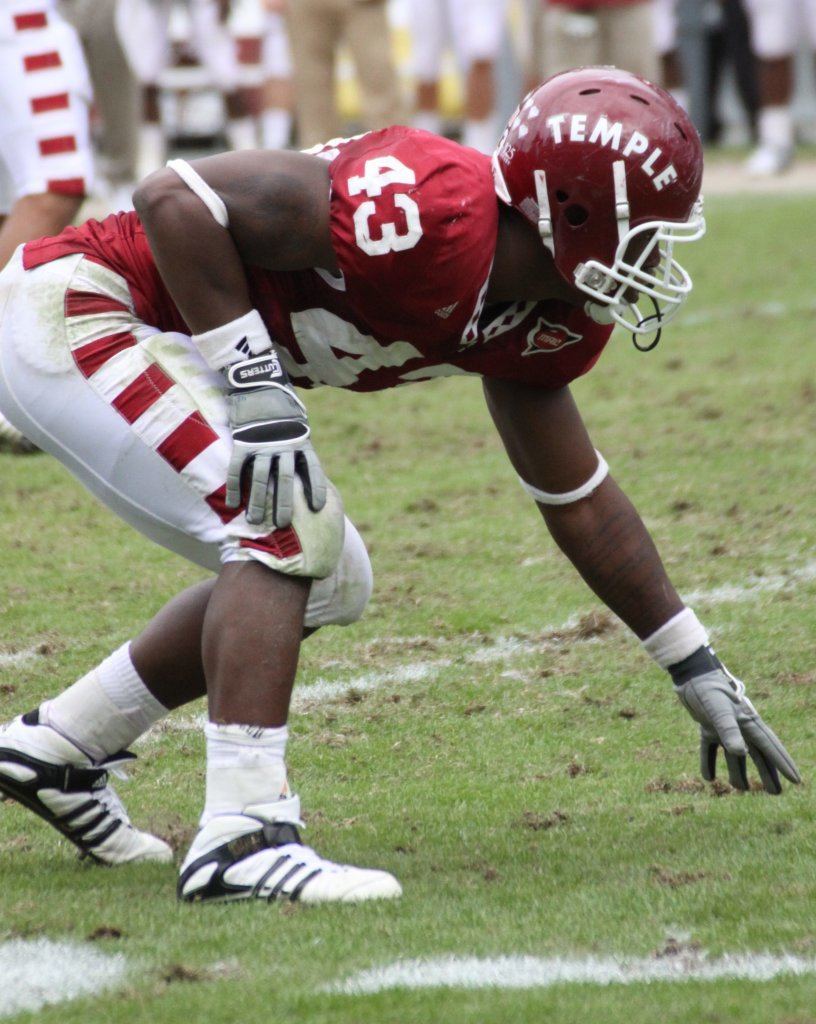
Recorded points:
(599, 530)
(602, 534)
(277, 207)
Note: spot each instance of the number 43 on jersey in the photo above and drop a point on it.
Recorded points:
(379, 172)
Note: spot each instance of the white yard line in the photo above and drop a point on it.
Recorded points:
(755, 586)
(521, 972)
(16, 659)
(502, 648)
(41, 972)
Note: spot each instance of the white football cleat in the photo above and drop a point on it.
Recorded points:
(768, 161)
(258, 854)
(54, 778)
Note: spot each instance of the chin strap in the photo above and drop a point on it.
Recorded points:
(658, 329)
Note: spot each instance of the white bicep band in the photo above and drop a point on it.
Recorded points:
(193, 180)
(567, 497)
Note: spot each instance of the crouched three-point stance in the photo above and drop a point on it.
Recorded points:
(166, 419)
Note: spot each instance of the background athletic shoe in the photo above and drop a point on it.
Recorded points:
(52, 777)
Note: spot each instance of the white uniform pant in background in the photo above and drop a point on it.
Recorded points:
(138, 417)
(777, 25)
(45, 94)
(472, 28)
(144, 34)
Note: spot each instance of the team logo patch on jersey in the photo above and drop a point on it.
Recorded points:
(549, 337)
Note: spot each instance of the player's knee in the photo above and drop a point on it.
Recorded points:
(312, 546)
(341, 599)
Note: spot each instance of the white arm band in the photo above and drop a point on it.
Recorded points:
(239, 339)
(193, 180)
(676, 639)
(567, 497)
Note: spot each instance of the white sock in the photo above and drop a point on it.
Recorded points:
(776, 127)
(245, 765)
(276, 128)
(241, 133)
(428, 121)
(482, 135)
(106, 710)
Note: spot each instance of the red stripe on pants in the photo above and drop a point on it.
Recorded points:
(143, 392)
(41, 61)
(78, 303)
(57, 144)
(96, 353)
(33, 20)
(66, 186)
(188, 440)
(42, 104)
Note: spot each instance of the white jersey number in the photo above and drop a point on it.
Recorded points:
(381, 171)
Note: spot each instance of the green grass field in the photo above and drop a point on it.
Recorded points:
(534, 797)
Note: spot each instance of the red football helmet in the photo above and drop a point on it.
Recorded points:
(608, 167)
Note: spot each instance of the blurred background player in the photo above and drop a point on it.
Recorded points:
(117, 99)
(578, 33)
(45, 94)
(725, 43)
(474, 29)
(144, 31)
(46, 167)
(776, 27)
(316, 30)
(277, 100)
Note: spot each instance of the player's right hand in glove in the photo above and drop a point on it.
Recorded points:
(715, 699)
(270, 432)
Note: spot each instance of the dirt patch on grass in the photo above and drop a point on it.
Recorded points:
(104, 931)
(686, 785)
(587, 627)
(538, 822)
(676, 879)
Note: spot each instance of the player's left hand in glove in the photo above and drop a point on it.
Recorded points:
(270, 432)
(715, 699)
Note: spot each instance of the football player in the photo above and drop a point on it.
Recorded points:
(171, 391)
(776, 28)
(46, 166)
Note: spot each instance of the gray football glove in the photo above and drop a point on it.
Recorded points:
(270, 433)
(715, 699)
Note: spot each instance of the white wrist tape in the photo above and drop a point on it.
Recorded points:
(676, 639)
(247, 336)
(193, 180)
(567, 497)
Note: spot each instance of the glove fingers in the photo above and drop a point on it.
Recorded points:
(708, 756)
(314, 479)
(767, 743)
(256, 506)
(737, 771)
(767, 772)
(285, 489)
(233, 495)
(716, 712)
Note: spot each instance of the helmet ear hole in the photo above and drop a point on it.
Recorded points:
(576, 215)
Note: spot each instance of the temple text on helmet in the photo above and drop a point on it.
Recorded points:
(615, 135)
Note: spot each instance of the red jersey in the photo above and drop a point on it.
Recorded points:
(414, 219)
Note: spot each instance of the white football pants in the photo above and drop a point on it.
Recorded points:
(141, 422)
